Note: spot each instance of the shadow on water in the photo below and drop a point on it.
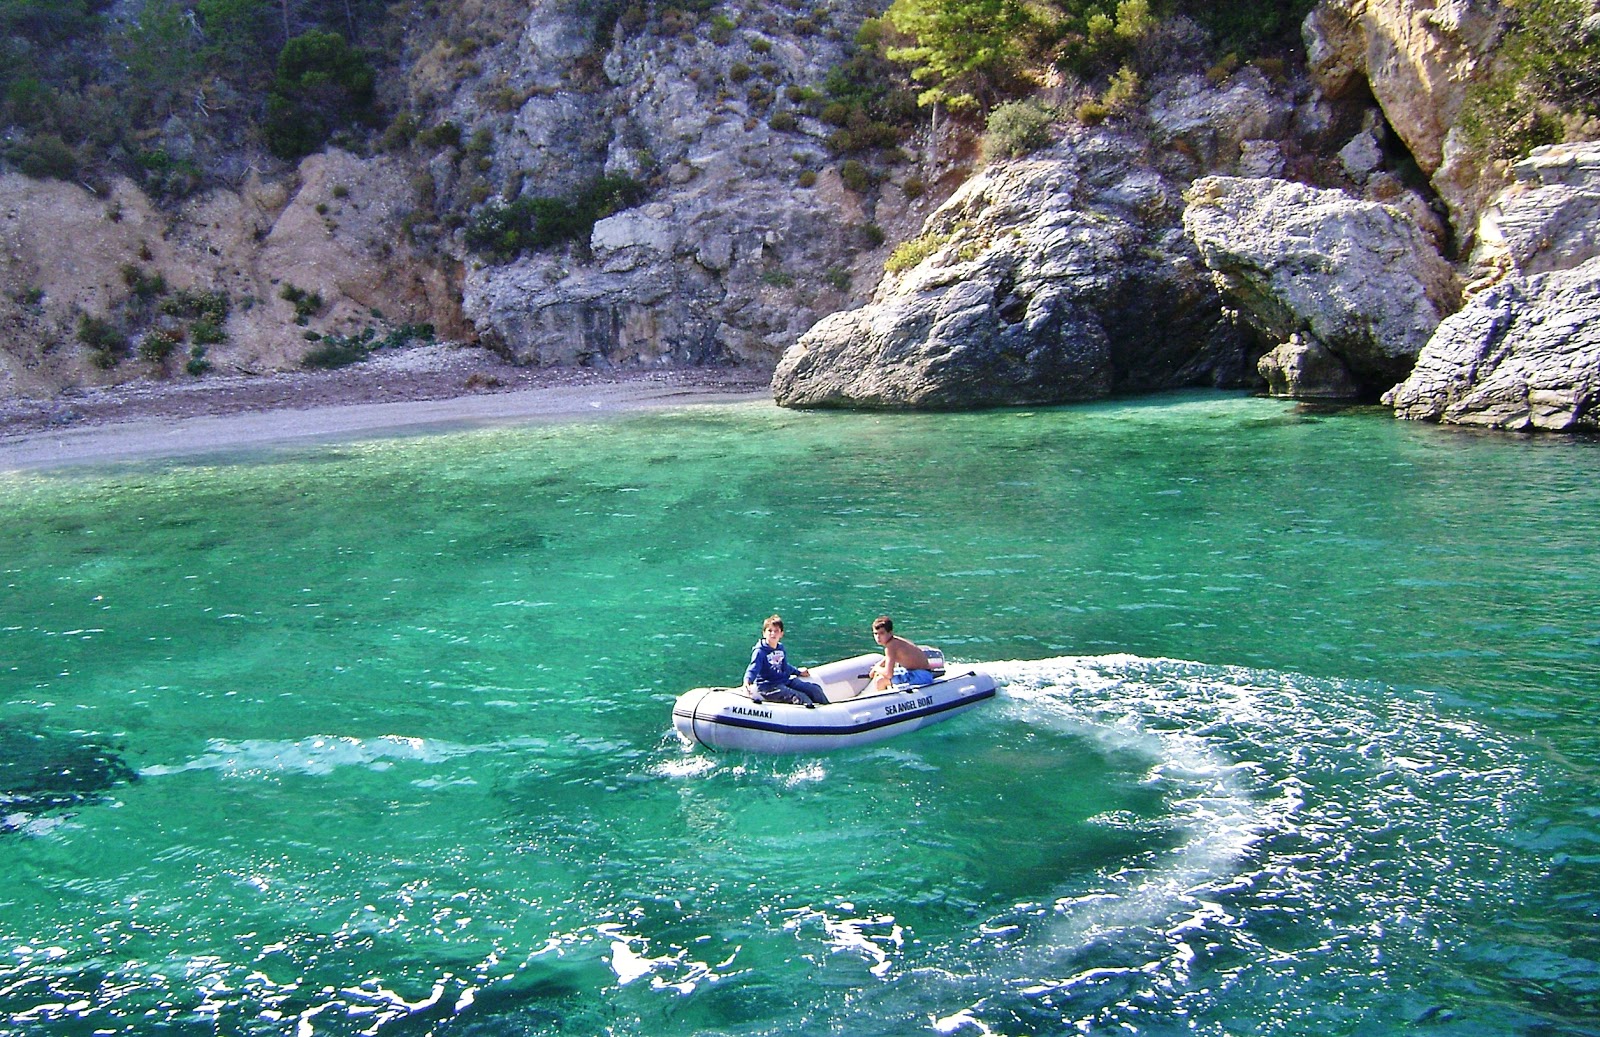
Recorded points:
(41, 771)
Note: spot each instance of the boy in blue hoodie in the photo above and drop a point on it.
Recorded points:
(769, 675)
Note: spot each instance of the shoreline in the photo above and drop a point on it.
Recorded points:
(433, 387)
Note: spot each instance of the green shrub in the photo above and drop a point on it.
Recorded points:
(322, 85)
(46, 157)
(1092, 113)
(144, 284)
(99, 333)
(1546, 78)
(1122, 91)
(158, 345)
(166, 177)
(335, 351)
(187, 304)
(503, 230)
(855, 175)
(867, 97)
(107, 343)
(198, 364)
(400, 133)
(909, 253)
(207, 332)
(306, 304)
(1016, 129)
(1251, 27)
(784, 121)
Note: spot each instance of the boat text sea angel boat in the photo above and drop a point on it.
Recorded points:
(727, 718)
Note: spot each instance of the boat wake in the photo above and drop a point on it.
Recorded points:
(320, 755)
(1344, 827)
(1110, 843)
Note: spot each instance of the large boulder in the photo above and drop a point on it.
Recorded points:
(1418, 59)
(1058, 277)
(1547, 219)
(1524, 353)
(1317, 271)
(1198, 127)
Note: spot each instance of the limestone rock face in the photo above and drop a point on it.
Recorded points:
(736, 254)
(1418, 58)
(1057, 277)
(1199, 128)
(67, 254)
(1524, 353)
(1320, 271)
(1548, 219)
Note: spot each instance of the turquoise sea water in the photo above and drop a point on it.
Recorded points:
(1296, 731)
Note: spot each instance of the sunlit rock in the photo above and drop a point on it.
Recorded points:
(1418, 59)
(1524, 353)
(1062, 276)
(1357, 279)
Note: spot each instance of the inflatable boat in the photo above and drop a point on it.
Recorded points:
(727, 718)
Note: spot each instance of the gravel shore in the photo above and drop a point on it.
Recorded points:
(429, 386)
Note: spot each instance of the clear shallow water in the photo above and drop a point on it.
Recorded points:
(1296, 732)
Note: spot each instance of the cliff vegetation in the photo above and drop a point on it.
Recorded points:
(188, 186)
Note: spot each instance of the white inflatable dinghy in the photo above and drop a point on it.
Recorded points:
(726, 718)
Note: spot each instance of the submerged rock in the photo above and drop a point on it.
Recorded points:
(1339, 282)
(41, 771)
(1058, 277)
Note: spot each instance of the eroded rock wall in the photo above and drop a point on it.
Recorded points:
(749, 235)
(67, 254)
(1523, 353)
(1417, 59)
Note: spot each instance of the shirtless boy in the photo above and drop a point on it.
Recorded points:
(903, 662)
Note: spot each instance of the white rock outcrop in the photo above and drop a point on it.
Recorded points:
(1524, 352)
(1313, 269)
(1060, 276)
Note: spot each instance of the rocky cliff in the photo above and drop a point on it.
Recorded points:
(1064, 276)
(1524, 352)
(231, 280)
(1415, 61)
(1303, 228)
(749, 234)
(1346, 286)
